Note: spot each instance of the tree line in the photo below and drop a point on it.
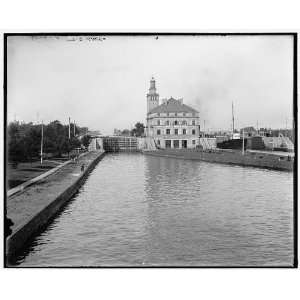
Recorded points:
(24, 140)
(137, 131)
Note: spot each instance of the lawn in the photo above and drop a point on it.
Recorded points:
(26, 171)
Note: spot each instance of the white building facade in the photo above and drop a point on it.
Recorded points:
(171, 124)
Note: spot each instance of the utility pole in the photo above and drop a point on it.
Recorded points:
(74, 128)
(232, 119)
(204, 128)
(69, 128)
(243, 151)
(42, 142)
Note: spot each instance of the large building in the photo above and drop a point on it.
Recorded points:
(171, 124)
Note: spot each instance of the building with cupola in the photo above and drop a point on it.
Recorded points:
(171, 123)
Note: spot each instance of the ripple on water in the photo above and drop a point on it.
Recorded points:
(143, 210)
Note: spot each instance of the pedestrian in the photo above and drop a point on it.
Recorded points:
(82, 167)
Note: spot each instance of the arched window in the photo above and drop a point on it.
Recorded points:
(184, 122)
(183, 131)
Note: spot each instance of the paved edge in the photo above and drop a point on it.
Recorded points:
(211, 158)
(16, 241)
(21, 187)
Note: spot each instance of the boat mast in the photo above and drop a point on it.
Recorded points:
(243, 143)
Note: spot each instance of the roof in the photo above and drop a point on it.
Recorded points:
(172, 105)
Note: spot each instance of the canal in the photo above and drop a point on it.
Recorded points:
(138, 210)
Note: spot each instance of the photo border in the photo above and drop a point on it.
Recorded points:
(295, 123)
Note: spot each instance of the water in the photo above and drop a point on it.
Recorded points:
(137, 210)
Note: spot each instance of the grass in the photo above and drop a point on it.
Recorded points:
(28, 170)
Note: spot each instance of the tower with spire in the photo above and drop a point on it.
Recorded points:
(152, 96)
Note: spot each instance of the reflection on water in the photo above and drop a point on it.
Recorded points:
(137, 210)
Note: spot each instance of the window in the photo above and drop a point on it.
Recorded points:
(168, 131)
(194, 142)
(176, 131)
(183, 114)
(176, 143)
(193, 122)
(167, 123)
(168, 144)
(158, 114)
(193, 131)
(184, 122)
(175, 114)
(158, 122)
(175, 122)
(158, 131)
(183, 131)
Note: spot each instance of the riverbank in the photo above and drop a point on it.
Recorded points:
(32, 209)
(269, 160)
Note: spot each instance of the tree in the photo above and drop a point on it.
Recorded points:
(86, 139)
(15, 153)
(138, 129)
(126, 132)
(24, 140)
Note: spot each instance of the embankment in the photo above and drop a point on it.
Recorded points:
(253, 159)
(32, 209)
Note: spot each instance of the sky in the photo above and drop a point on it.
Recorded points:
(102, 84)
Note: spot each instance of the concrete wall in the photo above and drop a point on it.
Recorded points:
(17, 240)
(255, 159)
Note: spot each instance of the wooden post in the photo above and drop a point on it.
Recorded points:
(69, 128)
(42, 142)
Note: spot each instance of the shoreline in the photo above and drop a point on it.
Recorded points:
(32, 209)
(249, 159)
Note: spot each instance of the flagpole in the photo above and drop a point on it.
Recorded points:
(42, 143)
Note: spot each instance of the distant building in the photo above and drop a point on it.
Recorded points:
(172, 124)
(248, 131)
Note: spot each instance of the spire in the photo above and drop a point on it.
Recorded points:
(152, 85)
